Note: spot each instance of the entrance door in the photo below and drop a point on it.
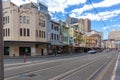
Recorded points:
(42, 52)
(6, 50)
(24, 50)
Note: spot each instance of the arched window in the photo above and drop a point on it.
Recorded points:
(28, 19)
(24, 19)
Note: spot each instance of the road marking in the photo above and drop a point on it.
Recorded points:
(7, 78)
(39, 70)
(73, 71)
(115, 68)
(38, 63)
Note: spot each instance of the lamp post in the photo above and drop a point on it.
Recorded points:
(1, 44)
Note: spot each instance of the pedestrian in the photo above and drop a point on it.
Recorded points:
(55, 52)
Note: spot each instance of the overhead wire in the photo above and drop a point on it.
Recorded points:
(101, 18)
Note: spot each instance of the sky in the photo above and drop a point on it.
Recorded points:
(104, 14)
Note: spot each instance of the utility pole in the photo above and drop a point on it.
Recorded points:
(1, 43)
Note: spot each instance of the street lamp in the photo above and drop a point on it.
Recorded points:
(1, 44)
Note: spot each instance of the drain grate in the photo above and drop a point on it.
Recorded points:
(31, 75)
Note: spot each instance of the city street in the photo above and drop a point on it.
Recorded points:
(97, 66)
(59, 40)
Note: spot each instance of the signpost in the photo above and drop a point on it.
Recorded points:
(1, 44)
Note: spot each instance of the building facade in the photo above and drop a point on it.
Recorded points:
(54, 37)
(24, 30)
(114, 35)
(28, 29)
(93, 40)
(109, 44)
(65, 38)
(77, 36)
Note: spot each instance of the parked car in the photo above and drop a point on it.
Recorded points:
(92, 51)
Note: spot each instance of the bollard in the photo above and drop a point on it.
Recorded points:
(24, 58)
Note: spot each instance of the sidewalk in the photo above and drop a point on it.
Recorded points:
(44, 56)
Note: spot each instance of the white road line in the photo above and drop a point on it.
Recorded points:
(39, 63)
(115, 68)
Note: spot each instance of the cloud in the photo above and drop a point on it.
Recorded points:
(19, 2)
(73, 15)
(53, 5)
(60, 5)
(105, 3)
(116, 25)
(102, 15)
(107, 27)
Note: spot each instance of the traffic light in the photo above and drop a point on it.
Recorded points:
(26, 50)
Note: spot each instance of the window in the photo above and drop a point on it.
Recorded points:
(52, 36)
(24, 32)
(44, 34)
(24, 19)
(42, 23)
(57, 37)
(52, 26)
(57, 28)
(20, 31)
(40, 33)
(5, 20)
(8, 32)
(36, 33)
(20, 19)
(8, 19)
(28, 19)
(28, 32)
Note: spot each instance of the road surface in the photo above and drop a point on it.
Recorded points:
(99, 66)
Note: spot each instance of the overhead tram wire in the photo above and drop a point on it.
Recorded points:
(98, 14)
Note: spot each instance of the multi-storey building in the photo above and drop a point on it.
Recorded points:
(66, 40)
(55, 36)
(43, 8)
(114, 35)
(109, 44)
(29, 30)
(86, 23)
(80, 26)
(24, 30)
(77, 36)
(71, 20)
(93, 40)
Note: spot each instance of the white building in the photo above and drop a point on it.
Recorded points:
(24, 30)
